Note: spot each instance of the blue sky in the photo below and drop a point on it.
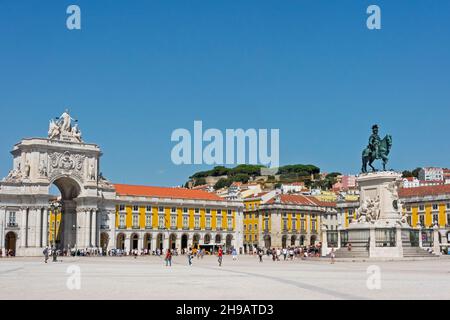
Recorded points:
(140, 69)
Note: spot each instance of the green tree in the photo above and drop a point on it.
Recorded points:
(223, 183)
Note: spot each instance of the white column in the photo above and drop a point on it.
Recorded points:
(45, 228)
(399, 241)
(324, 241)
(436, 243)
(93, 242)
(140, 242)
(166, 241)
(127, 243)
(2, 230)
(38, 229)
(154, 242)
(23, 228)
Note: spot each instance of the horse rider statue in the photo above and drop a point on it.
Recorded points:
(378, 149)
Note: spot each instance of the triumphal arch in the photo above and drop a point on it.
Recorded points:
(64, 160)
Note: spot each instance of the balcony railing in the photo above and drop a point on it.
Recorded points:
(122, 227)
(12, 225)
(136, 227)
(104, 227)
(185, 228)
(303, 231)
(219, 229)
(230, 229)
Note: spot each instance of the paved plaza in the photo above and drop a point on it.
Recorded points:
(125, 278)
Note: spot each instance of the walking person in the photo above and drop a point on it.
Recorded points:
(169, 258)
(260, 254)
(333, 256)
(46, 255)
(220, 255)
(190, 256)
(284, 253)
(234, 253)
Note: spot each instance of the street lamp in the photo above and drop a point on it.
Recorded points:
(55, 208)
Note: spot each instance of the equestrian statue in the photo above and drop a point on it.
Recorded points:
(376, 150)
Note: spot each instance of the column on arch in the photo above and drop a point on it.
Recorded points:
(24, 227)
(93, 227)
(45, 228)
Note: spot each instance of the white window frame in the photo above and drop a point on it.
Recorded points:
(161, 222)
(148, 220)
(135, 220)
(122, 220)
(197, 222)
(173, 221)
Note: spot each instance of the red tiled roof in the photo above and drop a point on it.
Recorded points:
(298, 199)
(425, 191)
(161, 192)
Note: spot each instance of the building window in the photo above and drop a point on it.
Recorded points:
(197, 222)
(208, 222)
(448, 219)
(185, 210)
(161, 209)
(135, 208)
(408, 208)
(122, 221)
(230, 212)
(249, 227)
(313, 225)
(245, 227)
(266, 225)
(149, 209)
(448, 206)
(266, 215)
(421, 207)
(208, 211)
(435, 207)
(256, 227)
(435, 218)
(294, 224)
(230, 223)
(219, 212)
(135, 221)
(148, 220)
(250, 237)
(302, 225)
(197, 210)
(174, 210)
(173, 221)
(12, 217)
(122, 207)
(185, 222)
(422, 220)
(285, 226)
(161, 222)
(219, 222)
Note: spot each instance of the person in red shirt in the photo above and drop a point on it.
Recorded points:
(220, 255)
(168, 258)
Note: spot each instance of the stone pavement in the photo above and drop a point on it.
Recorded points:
(123, 278)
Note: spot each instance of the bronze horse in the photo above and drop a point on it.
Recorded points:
(368, 156)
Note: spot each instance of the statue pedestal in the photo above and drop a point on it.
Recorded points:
(380, 231)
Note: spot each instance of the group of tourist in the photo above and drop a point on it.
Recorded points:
(289, 253)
